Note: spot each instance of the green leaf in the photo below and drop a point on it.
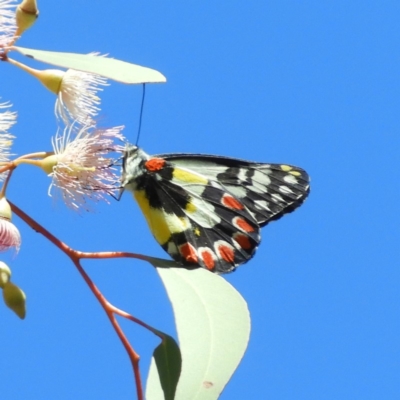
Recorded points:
(168, 360)
(213, 326)
(117, 70)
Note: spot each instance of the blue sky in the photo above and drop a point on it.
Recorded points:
(314, 84)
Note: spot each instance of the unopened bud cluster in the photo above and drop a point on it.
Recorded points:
(14, 297)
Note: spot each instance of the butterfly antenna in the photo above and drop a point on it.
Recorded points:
(141, 114)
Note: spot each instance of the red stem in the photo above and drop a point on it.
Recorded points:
(109, 309)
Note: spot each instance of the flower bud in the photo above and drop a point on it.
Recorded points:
(50, 78)
(9, 234)
(14, 298)
(48, 163)
(5, 274)
(26, 15)
(5, 209)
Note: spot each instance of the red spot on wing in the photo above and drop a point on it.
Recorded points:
(243, 241)
(154, 164)
(188, 253)
(208, 259)
(231, 202)
(226, 252)
(243, 225)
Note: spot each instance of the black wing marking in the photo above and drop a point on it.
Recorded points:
(213, 228)
(268, 190)
(213, 222)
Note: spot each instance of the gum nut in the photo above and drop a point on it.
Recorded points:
(14, 298)
(5, 274)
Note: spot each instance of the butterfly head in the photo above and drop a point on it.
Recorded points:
(132, 166)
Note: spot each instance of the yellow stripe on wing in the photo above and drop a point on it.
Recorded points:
(188, 177)
(161, 224)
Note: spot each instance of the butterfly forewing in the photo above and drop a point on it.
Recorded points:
(207, 210)
(267, 190)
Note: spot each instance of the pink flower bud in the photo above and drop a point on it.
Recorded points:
(9, 234)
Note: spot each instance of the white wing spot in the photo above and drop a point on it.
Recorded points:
(176, 224)
(259, 181)
(261, 177)
(290, 179)
(205, 214)
(266, 169)
(257, 187)
(242, 174)
(261, 205)
(277, 197)
(172, 249)
(285, 189)
(194, 189)
(238, 191)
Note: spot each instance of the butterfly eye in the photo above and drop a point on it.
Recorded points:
(124, 159)
(131, 153)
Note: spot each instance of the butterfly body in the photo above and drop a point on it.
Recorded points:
(207, 210)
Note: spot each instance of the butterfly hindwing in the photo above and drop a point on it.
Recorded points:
(207, 210)
(223, 235)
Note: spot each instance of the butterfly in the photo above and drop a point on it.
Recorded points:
(207, 211)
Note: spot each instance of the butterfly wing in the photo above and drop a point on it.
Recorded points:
(207, 210)
(195, 220)
(267, 190)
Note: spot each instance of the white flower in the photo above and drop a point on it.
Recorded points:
(77, 99)
(7, 120)
(5, 274)
(80, 168)
(7, 22)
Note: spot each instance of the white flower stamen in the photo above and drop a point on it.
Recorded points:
(81, 170)
(77, 99)
(7, 22)
(7, 120)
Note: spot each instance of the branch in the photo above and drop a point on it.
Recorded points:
(109, 309)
